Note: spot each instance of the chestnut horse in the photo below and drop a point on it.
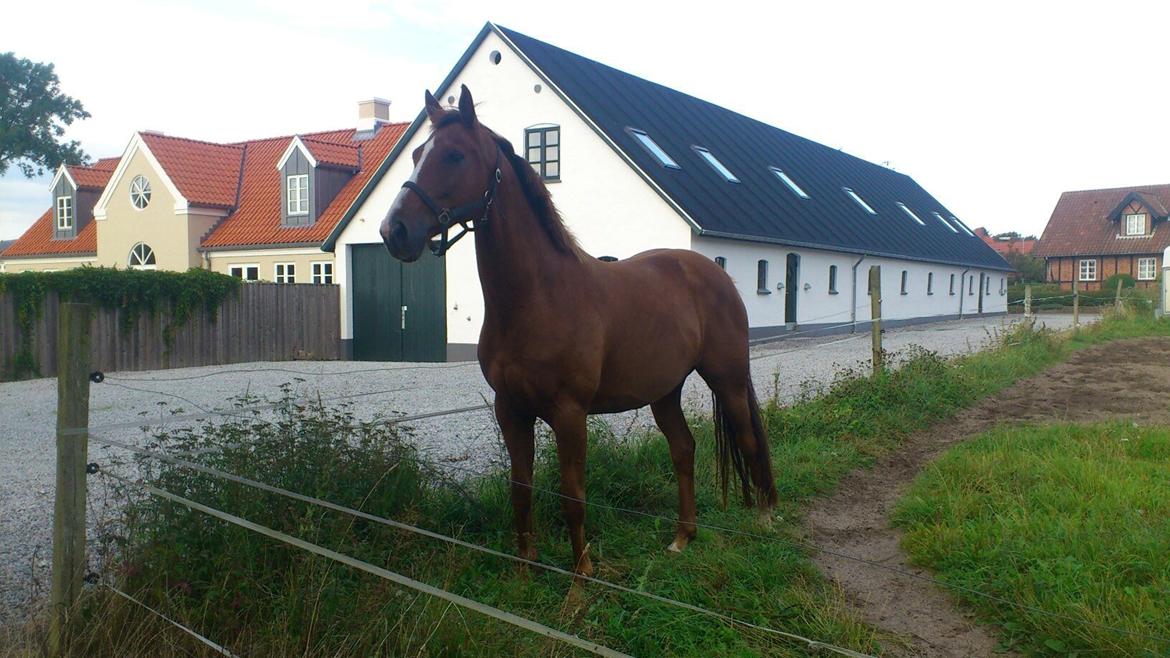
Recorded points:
(566, 335)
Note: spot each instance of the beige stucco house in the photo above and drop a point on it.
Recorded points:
(258, 209)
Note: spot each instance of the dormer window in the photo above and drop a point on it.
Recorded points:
(1135, 224)
(298, 194)
(64, 213)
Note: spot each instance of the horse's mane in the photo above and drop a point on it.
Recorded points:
(534, 189)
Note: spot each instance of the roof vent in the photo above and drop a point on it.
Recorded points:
(154, 132)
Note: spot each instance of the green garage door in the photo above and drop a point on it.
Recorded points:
(398, 308)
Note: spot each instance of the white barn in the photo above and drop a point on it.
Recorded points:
(633, 165)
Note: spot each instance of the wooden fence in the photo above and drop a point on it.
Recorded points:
(264, 322)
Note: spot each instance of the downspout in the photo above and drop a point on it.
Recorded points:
(962, 287)
(853, 307)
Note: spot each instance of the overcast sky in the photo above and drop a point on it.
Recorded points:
(994, 107)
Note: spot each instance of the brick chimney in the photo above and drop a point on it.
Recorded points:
(371, 114)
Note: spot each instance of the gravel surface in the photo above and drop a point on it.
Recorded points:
(127, 400)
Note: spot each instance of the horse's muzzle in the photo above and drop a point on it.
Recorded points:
(399, 242)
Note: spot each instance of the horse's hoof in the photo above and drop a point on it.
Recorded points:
(765, 519)
(674, 547)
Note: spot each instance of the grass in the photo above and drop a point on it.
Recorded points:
(260, 598)
(1070, 519)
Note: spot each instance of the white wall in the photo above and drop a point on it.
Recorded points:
(610, 209)
(817, 306)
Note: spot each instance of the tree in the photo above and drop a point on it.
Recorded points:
(33, 116)
(1031, 268)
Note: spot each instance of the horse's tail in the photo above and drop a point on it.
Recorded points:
(728, 455)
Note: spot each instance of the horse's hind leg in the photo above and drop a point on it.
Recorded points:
(520, 439)
(668, 414)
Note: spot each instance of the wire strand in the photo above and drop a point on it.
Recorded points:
(482, 549)
(189, 631)
(386, 574)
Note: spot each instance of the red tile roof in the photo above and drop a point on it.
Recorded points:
(256, 222)
(38, 241)
(1082, 224)
(1005, 247)
(332, 153)
(207, 174)
(95, 176)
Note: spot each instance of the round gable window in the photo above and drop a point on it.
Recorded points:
(141, 257)
(495, 57)
(140, 192)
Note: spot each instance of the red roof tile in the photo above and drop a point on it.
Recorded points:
(207, 174)
(1082, 225)
(256, 221)
(330, 153)
(1008, 246)
(94, 176)
(38, 241)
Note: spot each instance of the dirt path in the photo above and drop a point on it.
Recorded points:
(1129, 379)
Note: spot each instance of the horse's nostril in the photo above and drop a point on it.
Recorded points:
(398, 233)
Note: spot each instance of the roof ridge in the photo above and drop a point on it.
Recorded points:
(190, 140)
(1132, 188)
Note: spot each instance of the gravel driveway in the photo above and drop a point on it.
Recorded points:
(128, 399)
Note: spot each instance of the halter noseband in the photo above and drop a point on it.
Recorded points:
(461, 215)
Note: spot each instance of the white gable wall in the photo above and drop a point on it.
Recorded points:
(611, 210)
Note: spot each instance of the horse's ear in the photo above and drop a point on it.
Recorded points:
(434, 110)
(467, 107)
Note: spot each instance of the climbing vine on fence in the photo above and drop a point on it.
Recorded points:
(129, 292)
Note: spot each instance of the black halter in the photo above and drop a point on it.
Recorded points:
(461, 215)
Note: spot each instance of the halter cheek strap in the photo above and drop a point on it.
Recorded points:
(463, 215)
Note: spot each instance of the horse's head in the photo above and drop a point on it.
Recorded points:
(452, 172)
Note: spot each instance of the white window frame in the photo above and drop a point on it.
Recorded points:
(1152, 274)
(148, 251)
(911, 214)
(647, 142)
(242, 269)
(296, 205)
(322, 271)
(64, 212)
(857, 198)
(140, 191)
(787, 180)
(715, 163)
(1087, 269)
(1137, 220)
(285, 272)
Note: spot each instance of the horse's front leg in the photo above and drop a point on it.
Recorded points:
(570, 428)
(520, 440)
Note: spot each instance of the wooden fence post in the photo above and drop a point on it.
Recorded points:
(875, 314)
(1076, 305)
(73, 360)
(1028, 317)
(1117, 298)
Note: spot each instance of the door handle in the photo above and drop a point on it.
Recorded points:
(403, 317)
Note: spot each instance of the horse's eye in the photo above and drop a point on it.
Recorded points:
(454, 157)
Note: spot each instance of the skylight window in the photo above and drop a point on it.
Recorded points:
(789, 182)
(946, 223)
(654, 149)
(909, 212)
(716, 164)
(962, 226)
(861, 202)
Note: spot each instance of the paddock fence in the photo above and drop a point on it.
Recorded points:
(75, 433)
(264, 322)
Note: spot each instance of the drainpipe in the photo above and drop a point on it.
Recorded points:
(962, 287)
(853, 307)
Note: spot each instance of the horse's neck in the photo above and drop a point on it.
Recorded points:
(518, 264)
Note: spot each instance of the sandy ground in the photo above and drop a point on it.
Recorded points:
(1123, 379)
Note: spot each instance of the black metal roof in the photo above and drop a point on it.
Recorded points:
(760, 207)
